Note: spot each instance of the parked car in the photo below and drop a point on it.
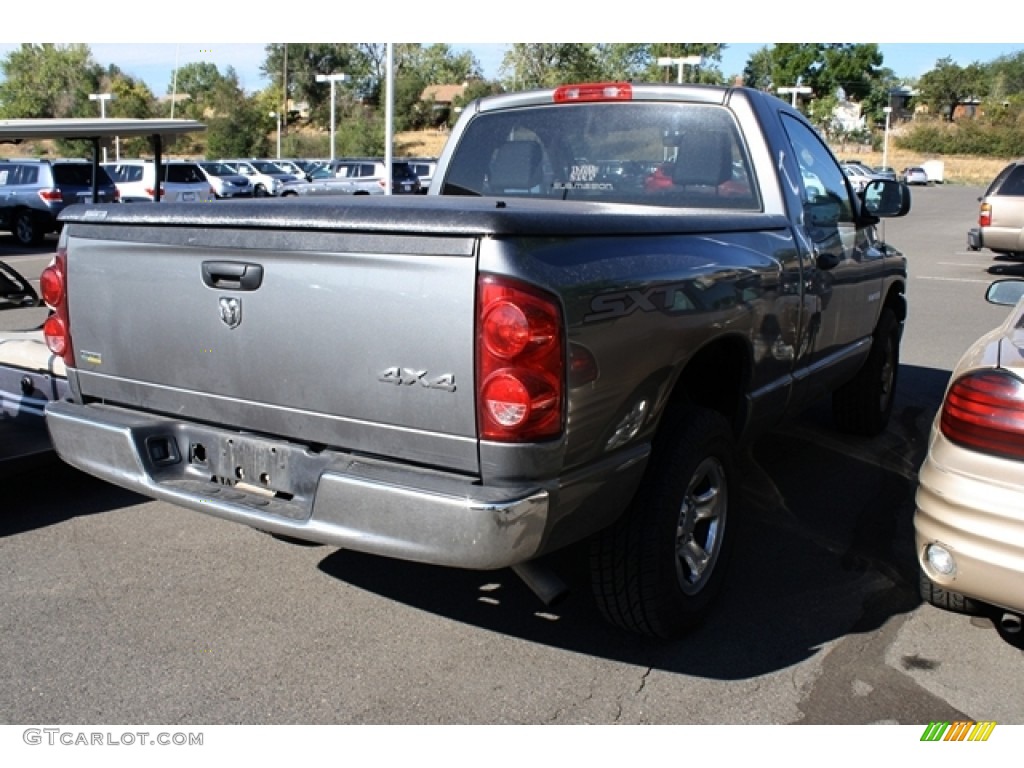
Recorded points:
(812, 185)
(1001, 214)
(321, 182)
(858, 176)
(225, 181)
(290, 167)
(424, 168)
(367, 176)
(266, 177)
(969, 523)
(183, 181)
(885, 172)
(34, 192)
(914, 175)
(308, 165)
(867, 170)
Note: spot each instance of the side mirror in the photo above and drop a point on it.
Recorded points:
(1005, 292)
(885, 198)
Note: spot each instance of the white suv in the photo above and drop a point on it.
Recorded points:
(266, 177)
(226, 181)
(183, 182)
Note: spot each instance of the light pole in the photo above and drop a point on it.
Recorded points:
(103, 98)
(680, 61)
(885, 140)
(278, 116)
(337, 77)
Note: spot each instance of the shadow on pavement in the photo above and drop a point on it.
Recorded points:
(43, 491)
(10, 246)
(1007, 270)
(825, 551)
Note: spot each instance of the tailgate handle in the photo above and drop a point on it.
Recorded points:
(232, 275)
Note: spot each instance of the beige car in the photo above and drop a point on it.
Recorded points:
(969, 523)
(1001, 214)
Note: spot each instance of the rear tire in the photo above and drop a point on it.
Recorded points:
(863, 405)
(659, 568)
(26, 232)
(259, 191)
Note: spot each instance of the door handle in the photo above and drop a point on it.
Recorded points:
(232, 275)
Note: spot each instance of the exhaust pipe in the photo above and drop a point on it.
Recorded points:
(1010, 623)
(543, 582)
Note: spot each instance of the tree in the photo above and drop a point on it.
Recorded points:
(48, 81)
(1006, 76)
(874, 103)
(949, 85)
(418, 66)
(543, 65)
(130, 98)
(535, 65)
(623, 61)
(822, 67)
(477, 89)
(854, 67)
(307, 60)
(437, 64)
(758, 71)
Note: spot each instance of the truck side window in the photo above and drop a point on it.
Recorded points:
(823, 185)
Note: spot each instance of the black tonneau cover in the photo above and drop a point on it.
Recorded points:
(460, 216)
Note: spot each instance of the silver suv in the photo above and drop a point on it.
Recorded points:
(34, 192)
(183, 181)
(366, 176)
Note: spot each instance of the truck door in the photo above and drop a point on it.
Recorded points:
(843, 271)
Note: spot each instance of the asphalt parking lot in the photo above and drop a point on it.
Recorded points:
(115, 608)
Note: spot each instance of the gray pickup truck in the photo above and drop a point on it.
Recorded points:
(608, 288)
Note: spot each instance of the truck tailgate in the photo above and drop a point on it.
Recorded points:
(358, 341)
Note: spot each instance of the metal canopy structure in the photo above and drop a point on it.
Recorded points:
(93, 129)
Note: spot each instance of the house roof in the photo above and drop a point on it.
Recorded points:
(442, 94)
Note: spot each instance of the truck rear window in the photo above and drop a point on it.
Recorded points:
(673, 155)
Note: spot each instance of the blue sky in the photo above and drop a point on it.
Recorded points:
(909, 33)
(155, 62)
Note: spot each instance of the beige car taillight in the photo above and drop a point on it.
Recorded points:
(984, 411)
(985, 215)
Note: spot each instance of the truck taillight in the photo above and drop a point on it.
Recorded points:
(985, 215)
(985, 412)
(51, 195)
(520, 362)
(53, 287)
(594, 92)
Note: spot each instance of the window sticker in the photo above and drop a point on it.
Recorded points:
(583, 177)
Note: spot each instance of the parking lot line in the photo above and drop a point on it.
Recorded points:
(950, 279)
